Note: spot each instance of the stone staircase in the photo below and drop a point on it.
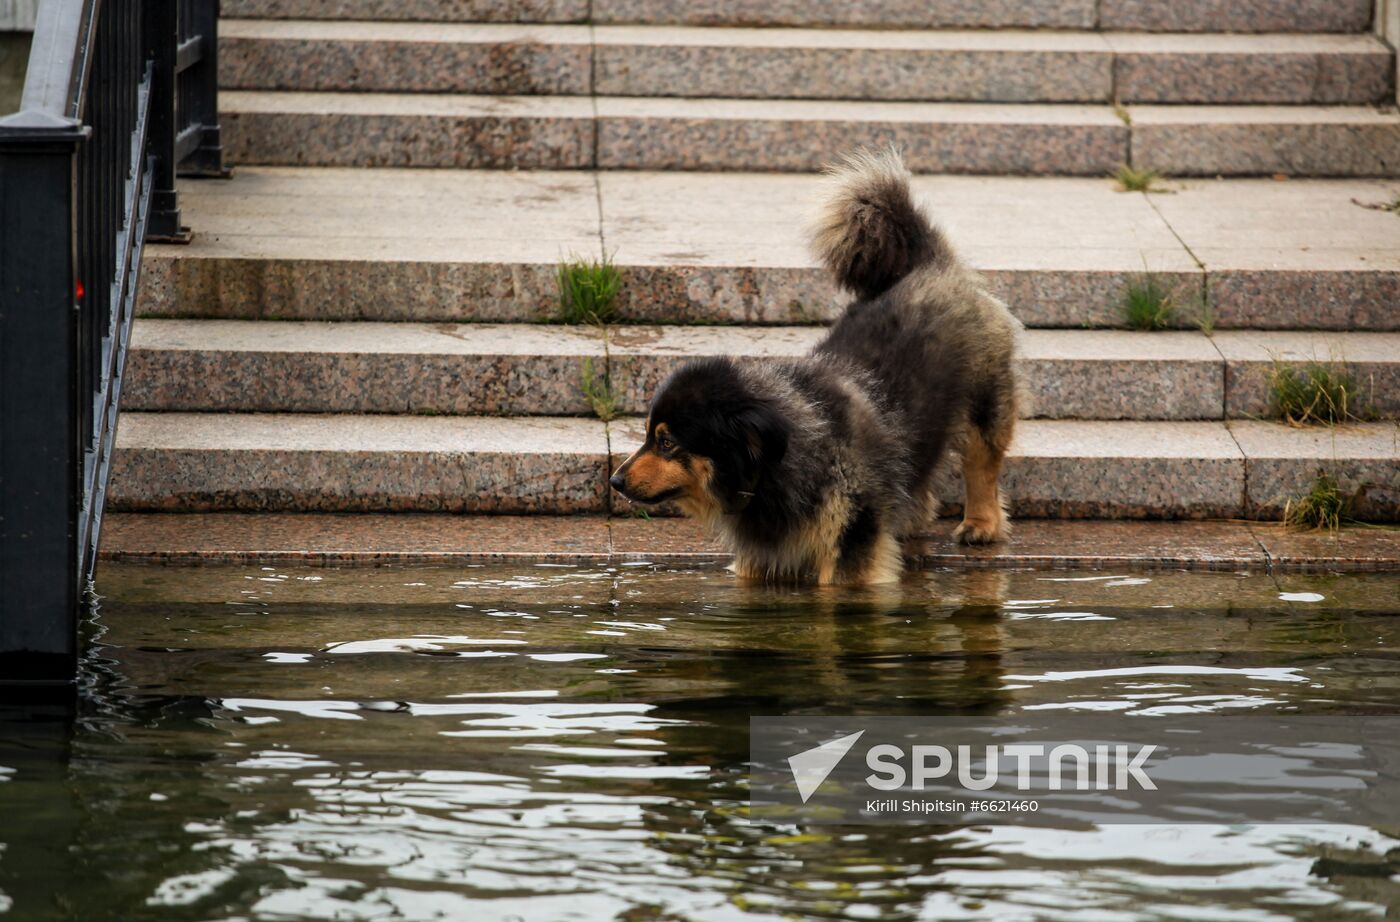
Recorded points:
(360, 322)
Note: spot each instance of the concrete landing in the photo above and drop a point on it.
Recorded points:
(374, 540)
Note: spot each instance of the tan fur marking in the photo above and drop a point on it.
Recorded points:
(886, 562)
(699, 500)
(648, 473)
(746, 568)
(812, 550)
(652, 475)
(984, 514)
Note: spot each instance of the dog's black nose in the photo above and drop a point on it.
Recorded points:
(616, 481)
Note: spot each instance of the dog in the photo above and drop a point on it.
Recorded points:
(814, 469)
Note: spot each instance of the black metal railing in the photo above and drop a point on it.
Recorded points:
(119, 96)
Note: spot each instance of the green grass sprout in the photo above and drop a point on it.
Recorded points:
(1132, 179)
(587, 290)
(599, 393)
(1324, 506)
(1312, 393)
(1148, 304)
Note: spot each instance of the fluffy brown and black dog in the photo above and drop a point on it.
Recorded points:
(813, 469)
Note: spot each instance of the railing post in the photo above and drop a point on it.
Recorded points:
(202, 99)
(163, 47)
(40, 446)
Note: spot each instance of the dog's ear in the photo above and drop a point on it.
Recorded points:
(758, 439)
(765, 432)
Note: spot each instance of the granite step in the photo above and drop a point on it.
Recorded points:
(543, 11)
(930, 65)
(640, 133)
(1058, 468)
(264, 367)
(358, 463)
(1266, 140)
(454, 246)
(1127, 15)
(534, 370)
(632, 133)
(1371, 360)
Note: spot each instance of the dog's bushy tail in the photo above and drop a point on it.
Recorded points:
(871, 234)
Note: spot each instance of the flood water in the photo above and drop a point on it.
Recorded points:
(561, 743)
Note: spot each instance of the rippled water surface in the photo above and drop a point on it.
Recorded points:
(559, 743)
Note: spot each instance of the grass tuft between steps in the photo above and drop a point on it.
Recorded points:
(1324, 506)
(587, 290)
(1148, 304)
(1132, 179)
(1312, 393)
(599, 393)
(1205, 316)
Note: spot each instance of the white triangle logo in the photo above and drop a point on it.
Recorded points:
(810, 767)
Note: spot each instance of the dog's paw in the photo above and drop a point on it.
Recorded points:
(980, 531)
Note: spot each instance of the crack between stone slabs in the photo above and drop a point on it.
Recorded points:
(593, 104)
(1113, 92)
(598, 202)
(593, 98)
(1205, 306)
(603, 255)
(1224, 371)
(1269, 564)
(1244, 486)
(607, 470)
(1179, 239)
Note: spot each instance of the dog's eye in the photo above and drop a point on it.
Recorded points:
(664, 444)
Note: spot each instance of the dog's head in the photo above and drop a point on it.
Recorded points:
(709, 439)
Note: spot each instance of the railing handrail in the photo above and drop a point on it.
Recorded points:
(118, 96)
(59, 58)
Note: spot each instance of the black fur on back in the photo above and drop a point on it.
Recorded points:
(914, 372)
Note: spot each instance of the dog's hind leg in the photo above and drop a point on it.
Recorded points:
(989, 435)
(984, 512)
